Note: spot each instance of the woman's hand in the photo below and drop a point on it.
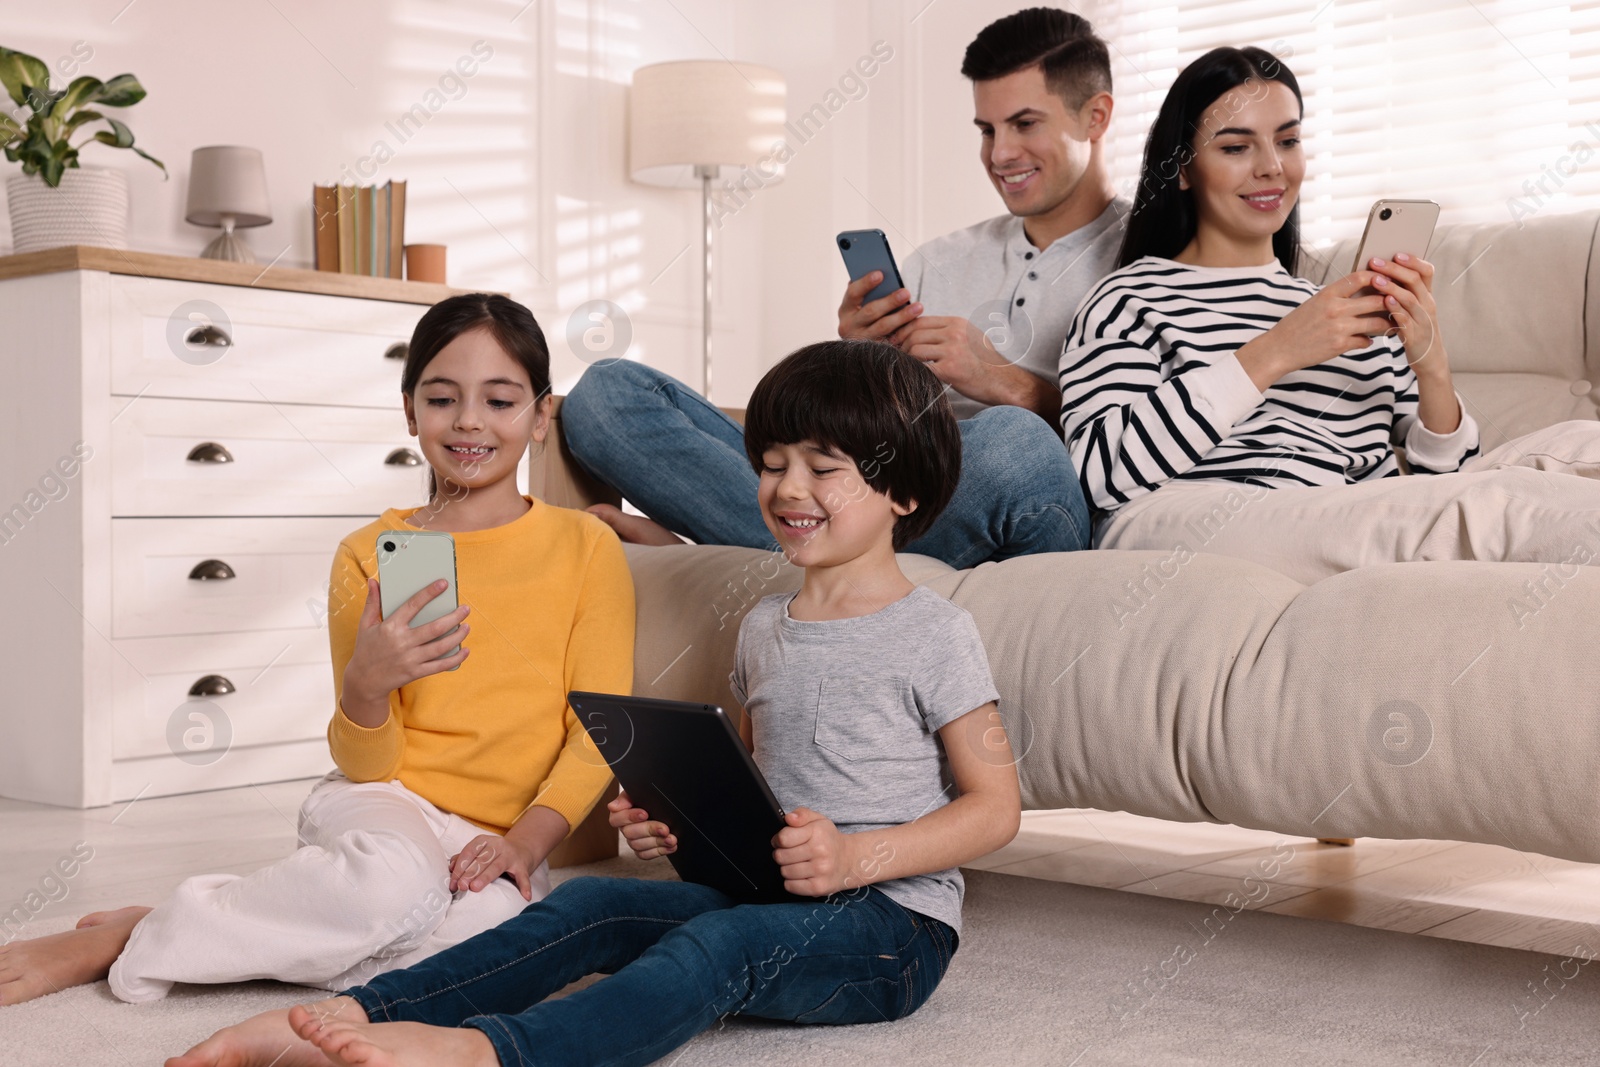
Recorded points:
(815, 856)
(389, 653)
(1408, 299)
(1339, 318)
(647, 839)
(486, 858)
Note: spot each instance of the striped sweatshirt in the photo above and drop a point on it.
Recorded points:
(1151, 390)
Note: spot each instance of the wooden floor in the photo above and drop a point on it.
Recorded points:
(1481, 893)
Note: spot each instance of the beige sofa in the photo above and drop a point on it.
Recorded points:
(1402, 701)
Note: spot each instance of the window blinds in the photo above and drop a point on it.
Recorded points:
(1490, 107)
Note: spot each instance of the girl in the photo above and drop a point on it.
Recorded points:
(1212, 399)
(452, 785)
(856, 451)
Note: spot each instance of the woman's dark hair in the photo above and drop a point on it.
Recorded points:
(1164, 217)
(511, 325)
(1074, 61)
(873, 403)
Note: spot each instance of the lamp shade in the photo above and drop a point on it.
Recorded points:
(228, 180)
(707, 113)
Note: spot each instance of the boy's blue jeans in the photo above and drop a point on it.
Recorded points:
(679, 957)
(680, 460)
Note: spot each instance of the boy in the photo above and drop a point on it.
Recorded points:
(865, 695)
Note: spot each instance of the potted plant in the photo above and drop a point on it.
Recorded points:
(54, 201)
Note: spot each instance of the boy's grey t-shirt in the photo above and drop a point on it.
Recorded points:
(844, 715)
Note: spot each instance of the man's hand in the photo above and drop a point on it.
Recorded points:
(956, 351)
(815, 856)
(877, 320)
(486, 858)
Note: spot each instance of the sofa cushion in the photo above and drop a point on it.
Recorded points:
(1410, 700)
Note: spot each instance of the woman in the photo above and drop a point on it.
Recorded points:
(1210, 399)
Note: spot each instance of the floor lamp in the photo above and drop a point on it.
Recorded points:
(690, 119)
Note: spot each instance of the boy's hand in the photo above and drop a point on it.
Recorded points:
(815, 856)
(486, 858)
(647, 839)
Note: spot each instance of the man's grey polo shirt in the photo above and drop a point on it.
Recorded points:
(1022, 297)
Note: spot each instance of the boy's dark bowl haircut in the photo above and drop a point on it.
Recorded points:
(873, 403)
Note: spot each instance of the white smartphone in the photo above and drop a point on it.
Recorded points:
(1397, 226)
(411, 560)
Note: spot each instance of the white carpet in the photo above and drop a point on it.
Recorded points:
(1049, 973)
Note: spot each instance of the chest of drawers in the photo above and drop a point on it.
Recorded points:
(181, 457)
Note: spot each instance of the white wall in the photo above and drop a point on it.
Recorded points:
(520, 170)
(902, 158)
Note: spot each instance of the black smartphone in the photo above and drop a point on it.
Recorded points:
(865, 251)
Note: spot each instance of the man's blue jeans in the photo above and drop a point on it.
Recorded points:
(681, 461)
(679, 957)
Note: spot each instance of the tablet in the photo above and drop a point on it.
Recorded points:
(685, 764)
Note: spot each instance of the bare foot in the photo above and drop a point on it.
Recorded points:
(634, 529)
(364, 1044)
(267, 1039)
(100, 918)
(41, 965)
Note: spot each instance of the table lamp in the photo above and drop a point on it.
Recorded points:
(691, 118)
(228, 188)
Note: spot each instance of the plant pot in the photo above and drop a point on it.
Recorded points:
(90, 207)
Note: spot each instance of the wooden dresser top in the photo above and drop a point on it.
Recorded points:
(221, 272)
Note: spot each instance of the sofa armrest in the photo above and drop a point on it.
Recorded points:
(555, 477)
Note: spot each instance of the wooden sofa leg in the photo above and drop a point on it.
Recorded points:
(594, 839)
(1336, 840)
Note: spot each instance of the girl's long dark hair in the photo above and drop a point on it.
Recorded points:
(511, 325)
(1164, 217)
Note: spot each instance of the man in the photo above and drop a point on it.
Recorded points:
(1041, 88)
(1042, 103)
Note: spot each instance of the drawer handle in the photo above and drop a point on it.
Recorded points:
(209, 452)
(212, 685)
(403, 457)
(398, 350)
(211, 570)
(207, 337)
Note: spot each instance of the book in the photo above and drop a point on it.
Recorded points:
(363, 229)
(325, 226)
(360, 229)
(347, 229)
(397, 228)
(380, 230)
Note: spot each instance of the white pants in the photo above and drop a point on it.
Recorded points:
(1536, 499)
(366, 892)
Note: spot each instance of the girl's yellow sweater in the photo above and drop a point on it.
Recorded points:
(552, 610)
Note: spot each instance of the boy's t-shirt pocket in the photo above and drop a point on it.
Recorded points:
(866, 717)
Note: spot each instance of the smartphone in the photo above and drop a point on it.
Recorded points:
(1397, 226)
(865, 251)
(411, 560)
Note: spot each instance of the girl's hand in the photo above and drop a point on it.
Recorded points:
(815, 856)
(1339, 318)
(389, 653)
(1408, 299)
(486, 858)
(647, 839)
